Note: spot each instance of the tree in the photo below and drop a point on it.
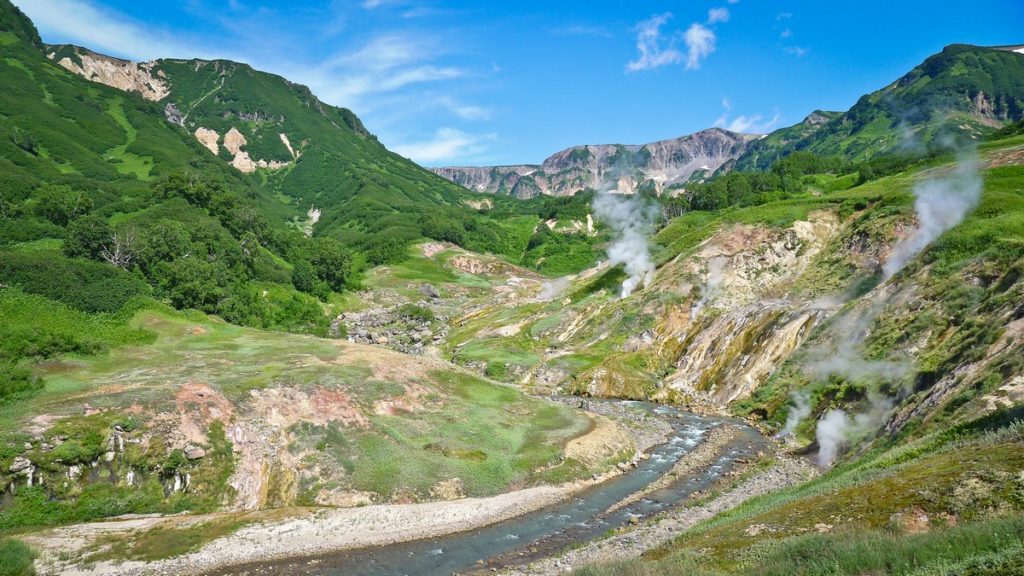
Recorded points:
(120, 249)
(191, 283)
(86, 237)
(333, 263)
(304, 277)
(60, 204)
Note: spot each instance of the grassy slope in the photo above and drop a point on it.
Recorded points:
(950, 503)
(932, 101)
(456, 425)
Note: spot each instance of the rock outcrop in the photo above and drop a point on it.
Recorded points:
(657, 166)
(121, 74)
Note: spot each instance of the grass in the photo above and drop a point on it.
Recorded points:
(478, 438)
(16, 558)
(164, 541)
(990, 547)
(127, 162)
(490, 436)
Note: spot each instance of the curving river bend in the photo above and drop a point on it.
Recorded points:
(536, 534)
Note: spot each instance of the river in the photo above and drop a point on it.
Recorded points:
(530, 536)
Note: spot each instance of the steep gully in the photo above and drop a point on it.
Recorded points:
(583, 518)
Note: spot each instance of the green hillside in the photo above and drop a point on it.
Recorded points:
(963, 91)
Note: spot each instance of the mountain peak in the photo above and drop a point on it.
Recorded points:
(652, 166)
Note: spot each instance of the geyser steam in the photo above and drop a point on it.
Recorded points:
(631, 219)
(553, 289)
(940, 203)
(800, 409)
(836, 429)
(711, 286)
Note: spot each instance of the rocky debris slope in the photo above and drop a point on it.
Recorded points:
(405, 331)
(656, 165)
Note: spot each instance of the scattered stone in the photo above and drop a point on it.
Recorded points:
(193, 452)
(20, 464)
(429, 291)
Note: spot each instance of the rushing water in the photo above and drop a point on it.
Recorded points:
(577, 520)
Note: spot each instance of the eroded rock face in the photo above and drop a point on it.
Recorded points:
(626, 168)
(121, 74)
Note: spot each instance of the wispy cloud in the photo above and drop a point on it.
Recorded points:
(464, 111)
(655, 50)
(718, 15)
(446, 144)
(798, 51)
(752, 124)
(700, 43)
(82, 22)
(786, 33)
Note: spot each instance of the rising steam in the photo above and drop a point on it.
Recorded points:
(800, 409)
(845, 357)
(940, 203)
(552, 289)
(631, 219)
(837, 429)
(711, 286)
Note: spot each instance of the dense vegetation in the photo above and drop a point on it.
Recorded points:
(958, 92)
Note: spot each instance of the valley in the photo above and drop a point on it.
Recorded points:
(238, 335)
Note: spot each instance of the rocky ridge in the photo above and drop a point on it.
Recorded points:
(629, 168)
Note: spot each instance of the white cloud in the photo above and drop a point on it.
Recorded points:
(446, 144)
(786, 33)
(649, 41)
(718, 15)
(464, 111)
(80, 22)
(797, 51)
(388, 51)
(752, 124)
(700, 42)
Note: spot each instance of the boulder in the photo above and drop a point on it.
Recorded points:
(193, 452)
(20, 464)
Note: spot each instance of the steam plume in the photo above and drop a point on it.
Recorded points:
(846, 360)
(552, 289)
(711, 286)
(800, 409)
(940, 204)
(836, 429)
(631, 219)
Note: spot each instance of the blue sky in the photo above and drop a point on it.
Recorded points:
(512, 82)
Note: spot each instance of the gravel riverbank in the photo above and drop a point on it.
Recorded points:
(324, 531)
(635, 541)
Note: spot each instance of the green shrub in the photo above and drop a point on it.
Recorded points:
(82, 284)
(16, 382)
(16, 558)
(416, 313)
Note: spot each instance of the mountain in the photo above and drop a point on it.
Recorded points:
(311, 154)
(208, 185)
(630, 168)
(963, 91)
